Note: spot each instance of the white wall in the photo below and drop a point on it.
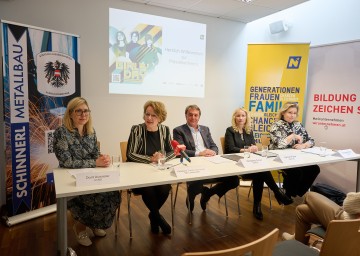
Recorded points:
(318, 21)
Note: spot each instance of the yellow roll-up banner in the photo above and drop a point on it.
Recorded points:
(276, 73)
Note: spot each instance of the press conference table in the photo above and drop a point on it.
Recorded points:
(135, 175)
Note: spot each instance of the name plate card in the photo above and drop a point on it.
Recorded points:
(251, 162)
(97, 178)
(345, 153)
(186, 171)
(287, 158)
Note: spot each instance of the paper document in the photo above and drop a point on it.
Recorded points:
(345, 153)
(319, 151)
(217, 159)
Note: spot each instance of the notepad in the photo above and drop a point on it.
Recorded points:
(235, 158)
(269, 154)
(318, 151)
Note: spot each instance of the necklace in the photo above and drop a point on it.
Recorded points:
(241, 131)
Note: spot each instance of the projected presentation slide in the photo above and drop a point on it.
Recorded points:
(152, 55)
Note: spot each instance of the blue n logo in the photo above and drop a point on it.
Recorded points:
(294, 62)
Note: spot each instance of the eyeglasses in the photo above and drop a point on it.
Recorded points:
(79, 112)
(150, 115)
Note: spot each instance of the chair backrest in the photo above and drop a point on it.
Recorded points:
(265, 140)
(123, 148)
(222, 143)
(261, 247)
(342, 238)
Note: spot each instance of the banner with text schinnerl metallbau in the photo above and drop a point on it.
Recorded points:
(41, 74)
(276, 73)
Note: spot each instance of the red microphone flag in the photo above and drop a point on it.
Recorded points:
(177, 147)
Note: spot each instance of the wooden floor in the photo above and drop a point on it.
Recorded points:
(210, 230)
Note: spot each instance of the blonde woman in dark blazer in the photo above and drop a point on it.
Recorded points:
(239, 135)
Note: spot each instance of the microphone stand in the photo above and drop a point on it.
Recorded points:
(181, 162)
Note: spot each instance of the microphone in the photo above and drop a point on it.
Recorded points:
(174, 145)
(179, 150)
(184, 155)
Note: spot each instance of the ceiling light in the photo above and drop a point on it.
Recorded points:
(246, 1)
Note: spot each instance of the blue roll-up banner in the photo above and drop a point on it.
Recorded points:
(41, 73)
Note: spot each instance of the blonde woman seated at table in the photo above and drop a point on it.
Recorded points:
(287, 132)
(318, 209)
(75, 146)
(238, 135)
(145, 143)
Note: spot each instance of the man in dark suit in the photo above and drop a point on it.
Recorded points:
(198, 141)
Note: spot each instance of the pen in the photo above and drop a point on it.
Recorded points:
(175, 165)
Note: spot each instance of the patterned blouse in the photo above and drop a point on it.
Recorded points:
(74, 151)
(280, 129)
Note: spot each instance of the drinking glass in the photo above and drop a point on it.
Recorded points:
(162, 161)
(246, 151)
(264, 151)
(116, 160)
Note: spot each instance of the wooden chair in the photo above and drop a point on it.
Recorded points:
(123, 149)
(265, 140)
(222, 142)
(341, 238)
(261, 247)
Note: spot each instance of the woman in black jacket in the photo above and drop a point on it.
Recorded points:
(236, 137)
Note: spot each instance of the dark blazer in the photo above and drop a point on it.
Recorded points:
(136, 147)
(233, 141)
(183, 135)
